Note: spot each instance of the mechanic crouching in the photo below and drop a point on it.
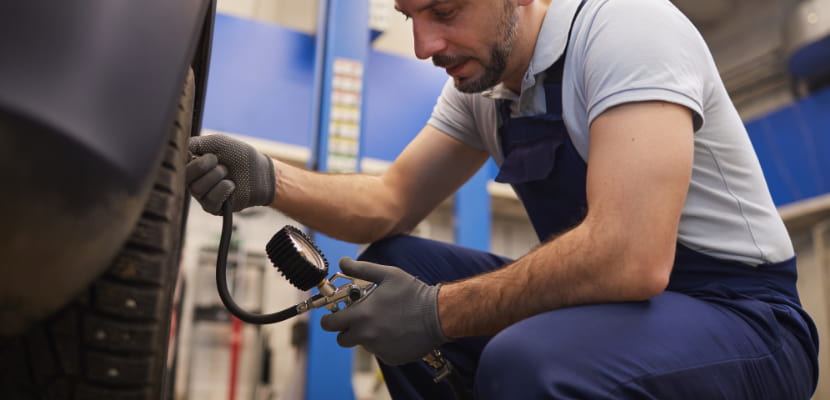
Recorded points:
(664, 270)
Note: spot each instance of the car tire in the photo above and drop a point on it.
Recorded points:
(114, 340)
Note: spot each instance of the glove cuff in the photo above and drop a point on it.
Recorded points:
(268, 184)
(434, 324)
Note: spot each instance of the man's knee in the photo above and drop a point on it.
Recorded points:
(388, 251)
(417, 256)
(429, 260)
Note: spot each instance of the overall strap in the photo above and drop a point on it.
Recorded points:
(541, 162)
(553, 75)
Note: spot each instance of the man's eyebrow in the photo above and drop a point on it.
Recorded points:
(431, 4)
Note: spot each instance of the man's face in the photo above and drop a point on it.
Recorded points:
(471, 39)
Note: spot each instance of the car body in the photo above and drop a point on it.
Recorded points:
(89, 93)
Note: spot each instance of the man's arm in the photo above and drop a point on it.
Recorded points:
(638, 175)
(362, 208)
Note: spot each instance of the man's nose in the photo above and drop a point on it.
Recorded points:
(428, 39)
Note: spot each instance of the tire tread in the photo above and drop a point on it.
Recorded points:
(111, 342)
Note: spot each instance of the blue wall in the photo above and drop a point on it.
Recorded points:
(400, 94)
(793, 145)
(261, 82)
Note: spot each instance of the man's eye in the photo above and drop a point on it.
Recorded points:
(443, 14)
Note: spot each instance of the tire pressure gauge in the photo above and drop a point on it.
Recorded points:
(305, 267)
(297, 258)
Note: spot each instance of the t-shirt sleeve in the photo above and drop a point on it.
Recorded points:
(642, 50)
(453, 115)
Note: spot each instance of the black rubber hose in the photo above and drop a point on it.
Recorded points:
(453, 379)
(222, 279)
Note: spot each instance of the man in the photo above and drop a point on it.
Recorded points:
(664, 271)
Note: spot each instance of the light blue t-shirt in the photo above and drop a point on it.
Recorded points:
(640, 50)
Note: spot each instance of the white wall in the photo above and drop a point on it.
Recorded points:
(300, 15)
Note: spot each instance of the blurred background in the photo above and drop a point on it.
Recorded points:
(334, 85)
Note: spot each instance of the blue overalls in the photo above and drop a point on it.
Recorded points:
(721, 330)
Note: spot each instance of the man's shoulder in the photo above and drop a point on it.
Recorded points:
(602, 14)
(635, 30)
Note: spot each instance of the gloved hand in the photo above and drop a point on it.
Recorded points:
(398, 321)
(228, 168)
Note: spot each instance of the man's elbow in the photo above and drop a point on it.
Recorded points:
(649, 276)
(369, 228)
(653, 284)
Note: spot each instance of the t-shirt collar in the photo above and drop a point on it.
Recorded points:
(549, 46)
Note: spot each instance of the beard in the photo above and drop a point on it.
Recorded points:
(499, 52)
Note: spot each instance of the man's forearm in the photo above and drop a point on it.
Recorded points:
(350, 207)
(570, 270)
(362, 208)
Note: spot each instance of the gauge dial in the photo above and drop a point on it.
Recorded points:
(297, 258)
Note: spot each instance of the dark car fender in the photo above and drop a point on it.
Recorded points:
(88, 93)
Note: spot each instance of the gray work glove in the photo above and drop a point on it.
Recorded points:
(398, 321)
(226, 168)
